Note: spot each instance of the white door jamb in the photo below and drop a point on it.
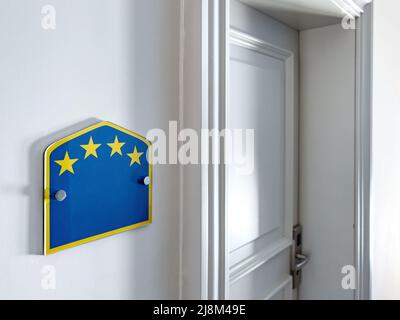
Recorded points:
(363, 129)
(215, 54)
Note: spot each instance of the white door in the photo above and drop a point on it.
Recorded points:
(261, 203)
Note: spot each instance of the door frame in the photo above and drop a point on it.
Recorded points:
(215, 29)
(362, 165)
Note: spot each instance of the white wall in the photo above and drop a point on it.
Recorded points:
(327, 109)
(191, 116)
(110, 60)
(385, 195)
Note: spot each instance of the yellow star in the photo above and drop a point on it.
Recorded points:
(66, 164)
(116, 146)
(135, 156)
(90, 148)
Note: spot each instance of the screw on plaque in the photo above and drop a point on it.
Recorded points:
(60, 195)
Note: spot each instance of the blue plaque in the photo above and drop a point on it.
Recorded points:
(97, 182)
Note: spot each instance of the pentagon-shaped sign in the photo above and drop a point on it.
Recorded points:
(97, 182)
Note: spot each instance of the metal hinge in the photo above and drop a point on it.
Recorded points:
(299, 260)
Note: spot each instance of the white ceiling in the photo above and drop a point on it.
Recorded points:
(300, 14)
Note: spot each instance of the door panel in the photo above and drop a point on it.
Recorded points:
(261, 282)
(260, 205)
(257, 101)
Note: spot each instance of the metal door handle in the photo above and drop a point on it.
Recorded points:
(301, 261)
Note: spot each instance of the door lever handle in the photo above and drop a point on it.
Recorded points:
(298, 260)
(301, 261)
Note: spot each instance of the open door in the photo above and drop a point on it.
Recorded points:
(304, 96)
(261, 204)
